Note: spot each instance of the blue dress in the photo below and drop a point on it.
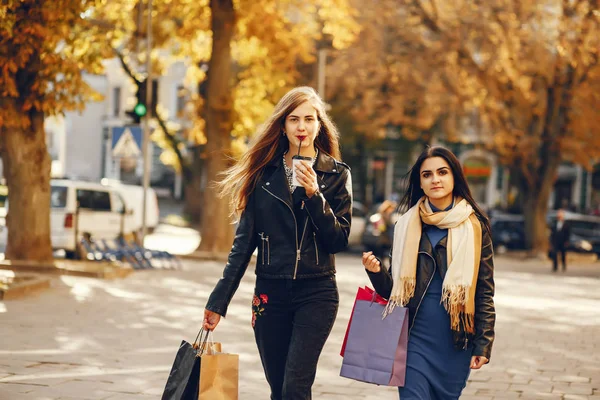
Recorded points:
(435, 370)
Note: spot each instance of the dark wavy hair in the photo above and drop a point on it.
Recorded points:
(461, 188)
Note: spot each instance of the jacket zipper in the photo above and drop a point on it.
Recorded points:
(268, 251)
(316, 247)
(425, 292)
(300, 248)
(262, 239)
(295, 225)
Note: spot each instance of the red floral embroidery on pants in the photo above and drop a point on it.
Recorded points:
(257, 306)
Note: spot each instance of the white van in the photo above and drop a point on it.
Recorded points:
(101, 213)
(133, 196)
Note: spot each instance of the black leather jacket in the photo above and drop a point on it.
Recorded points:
(432, 261)
(291, 245)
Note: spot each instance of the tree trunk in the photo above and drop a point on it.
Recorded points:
(535, 209)
(216, 231)
(26, 164)
(193, 188)
(539, 183)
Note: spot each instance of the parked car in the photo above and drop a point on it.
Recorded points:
(133, 195)
(508, 231)
(585, 231)
(359, 213)
(78, 207)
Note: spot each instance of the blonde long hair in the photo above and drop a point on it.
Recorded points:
(240, 180)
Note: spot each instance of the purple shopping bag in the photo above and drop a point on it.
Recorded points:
(376, 347)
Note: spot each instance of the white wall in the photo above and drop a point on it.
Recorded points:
(84, 135)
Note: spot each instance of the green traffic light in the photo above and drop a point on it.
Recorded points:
(140, 109)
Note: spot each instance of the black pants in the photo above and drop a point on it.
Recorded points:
(563, 257)
(292, 320)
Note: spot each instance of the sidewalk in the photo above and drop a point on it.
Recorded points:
(88, 338)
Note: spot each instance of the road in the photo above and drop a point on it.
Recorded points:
(93, 339)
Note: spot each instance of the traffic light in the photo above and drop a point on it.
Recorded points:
(139, 111)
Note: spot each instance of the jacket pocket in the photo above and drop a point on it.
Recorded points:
(316, 247)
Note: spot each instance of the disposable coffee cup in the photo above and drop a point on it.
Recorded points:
(296, 161)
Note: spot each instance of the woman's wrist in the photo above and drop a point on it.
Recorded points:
(311, 193)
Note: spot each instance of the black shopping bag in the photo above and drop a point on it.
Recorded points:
(184, 378)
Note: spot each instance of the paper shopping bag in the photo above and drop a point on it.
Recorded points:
(219, 373)
(365, 293)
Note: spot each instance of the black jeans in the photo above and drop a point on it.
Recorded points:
(555, 253)
(292, 320)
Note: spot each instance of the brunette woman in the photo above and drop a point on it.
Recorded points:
(442, 270)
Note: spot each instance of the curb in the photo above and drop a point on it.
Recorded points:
(525, 256)
(91, 269)
(22, 285)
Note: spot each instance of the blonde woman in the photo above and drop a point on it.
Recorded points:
(443, 271)
(298, 225)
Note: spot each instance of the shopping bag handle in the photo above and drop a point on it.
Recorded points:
(200, 344)
(373, 298)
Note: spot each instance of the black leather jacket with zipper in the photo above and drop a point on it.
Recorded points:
(432, 261)
(290, 245)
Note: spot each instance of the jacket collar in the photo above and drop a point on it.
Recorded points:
(326, 163)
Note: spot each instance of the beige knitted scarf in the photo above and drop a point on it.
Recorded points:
(463, 256)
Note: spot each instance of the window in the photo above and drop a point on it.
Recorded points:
(101, 201)
(181, 99)
(116, 101)
(93, 200)
(58, 196)
(85, 199)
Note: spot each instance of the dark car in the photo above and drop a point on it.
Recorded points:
(508, 231)
(585, 231)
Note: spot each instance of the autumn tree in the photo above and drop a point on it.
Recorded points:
(45, 47)
(523, 74)
(255, 52)
(257, 55)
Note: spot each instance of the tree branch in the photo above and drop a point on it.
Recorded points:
(171, 138)
(174, 143)
(126, 67)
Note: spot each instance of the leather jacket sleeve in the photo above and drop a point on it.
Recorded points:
(332, 219)
(485, 314)
(244, 244)
(382, 281)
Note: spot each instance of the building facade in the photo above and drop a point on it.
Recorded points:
(81, 144)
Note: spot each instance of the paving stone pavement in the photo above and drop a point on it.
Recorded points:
(88, 338)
